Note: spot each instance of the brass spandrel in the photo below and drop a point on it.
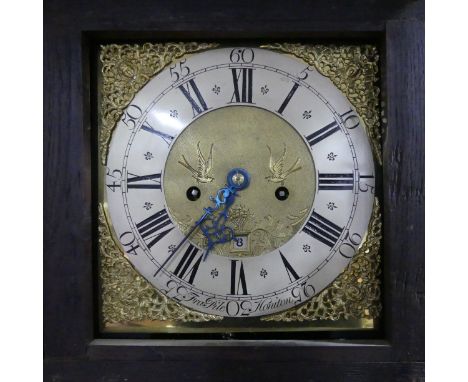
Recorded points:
(355, 293)
(127, 296)
(353, 69)
(125, 70)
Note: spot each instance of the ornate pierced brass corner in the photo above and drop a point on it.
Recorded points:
(128, 297)
(125, 70)
(353, 69)
(355, 293)
(130, 303)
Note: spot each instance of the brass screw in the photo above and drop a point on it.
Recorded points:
(238, 178)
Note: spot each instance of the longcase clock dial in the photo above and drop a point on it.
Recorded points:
(240, 182)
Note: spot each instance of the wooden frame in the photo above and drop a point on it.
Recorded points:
(72, 350)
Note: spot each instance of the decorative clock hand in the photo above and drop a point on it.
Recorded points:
(216, 232)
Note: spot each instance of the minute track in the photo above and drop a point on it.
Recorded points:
(328, 178)
(252, 65)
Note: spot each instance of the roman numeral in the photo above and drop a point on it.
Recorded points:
(336, 181)
(322, 229)
(243, 94)
(238, 278)
(152, 181)
(165, 137)
(292, 274)
(198, 104)
(322, 133)
(326, 131)
(188, 264)
(151, 229)
(288, 98)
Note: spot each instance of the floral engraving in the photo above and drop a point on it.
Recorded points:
(331, 206)
(147, 206)
(331, 156)
(148, 155)
(216, 89)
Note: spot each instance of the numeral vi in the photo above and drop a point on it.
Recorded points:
(238, 283)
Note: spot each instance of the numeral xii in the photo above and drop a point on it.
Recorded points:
(243, 90)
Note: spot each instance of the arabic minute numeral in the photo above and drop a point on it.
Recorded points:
(349, 247)
(350, 120)
(127, 239)
(179, 71)
(114, 177)
(146, 126)
(245, 55)
(304, 289)
(131, 115)
(242, 93)
(363, 186)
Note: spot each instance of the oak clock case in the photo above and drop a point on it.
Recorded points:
(238, 183)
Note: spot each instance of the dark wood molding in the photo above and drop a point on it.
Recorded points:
(73, 350)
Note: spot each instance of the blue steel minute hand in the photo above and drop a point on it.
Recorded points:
(214, 228)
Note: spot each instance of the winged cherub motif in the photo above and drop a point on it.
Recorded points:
(278, 174)
(203, 172)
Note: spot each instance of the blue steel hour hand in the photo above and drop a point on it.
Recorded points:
(213, 225)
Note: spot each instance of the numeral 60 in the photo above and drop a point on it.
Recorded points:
(242, 55)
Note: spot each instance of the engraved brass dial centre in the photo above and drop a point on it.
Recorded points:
(242, 137)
